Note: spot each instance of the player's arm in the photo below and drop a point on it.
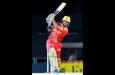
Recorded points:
(49, 27)
(56, 26)
(49, 21)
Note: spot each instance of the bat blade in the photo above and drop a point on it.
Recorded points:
(59, 8)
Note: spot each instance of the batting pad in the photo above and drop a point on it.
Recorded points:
(53, 59)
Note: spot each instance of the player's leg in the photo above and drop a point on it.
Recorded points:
(53, 59)
(49, 59)
(58, 53)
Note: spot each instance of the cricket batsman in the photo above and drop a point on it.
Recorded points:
(58, 30)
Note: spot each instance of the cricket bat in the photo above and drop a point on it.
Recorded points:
(62, 5)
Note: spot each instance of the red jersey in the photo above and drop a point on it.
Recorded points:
(57, 35)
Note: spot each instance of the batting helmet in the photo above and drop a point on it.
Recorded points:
(66, 18)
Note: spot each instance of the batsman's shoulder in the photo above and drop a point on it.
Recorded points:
(65, 29)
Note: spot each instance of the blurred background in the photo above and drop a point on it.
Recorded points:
(72, 51)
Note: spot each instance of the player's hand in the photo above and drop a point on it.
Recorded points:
(50, 18)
